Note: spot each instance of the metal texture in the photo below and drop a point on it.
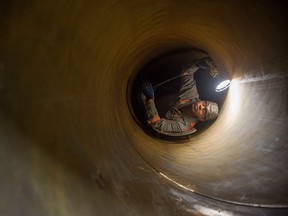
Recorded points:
(70, 146)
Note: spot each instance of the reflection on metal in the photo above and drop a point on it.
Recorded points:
(278, 76)
(173, 181)
(233, 100)
(209, 211)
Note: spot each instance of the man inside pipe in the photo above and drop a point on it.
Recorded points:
(188, 110)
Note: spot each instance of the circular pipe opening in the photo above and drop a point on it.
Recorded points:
(164, 74)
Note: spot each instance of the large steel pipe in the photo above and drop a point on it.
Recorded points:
(69, 143)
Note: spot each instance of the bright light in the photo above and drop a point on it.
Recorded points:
(209, 211)
(222, 86)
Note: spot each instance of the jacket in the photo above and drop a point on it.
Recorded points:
(176, 123)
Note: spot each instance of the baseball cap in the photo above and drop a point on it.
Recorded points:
(212, 110)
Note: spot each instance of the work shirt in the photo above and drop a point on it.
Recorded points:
(175, 122)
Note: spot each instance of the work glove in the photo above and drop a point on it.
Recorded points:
(148, 90)
(207, 63)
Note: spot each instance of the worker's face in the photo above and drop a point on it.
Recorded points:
(199, 110)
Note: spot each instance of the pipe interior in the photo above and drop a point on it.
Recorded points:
(70, 144)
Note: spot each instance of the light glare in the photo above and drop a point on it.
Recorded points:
(234, 98)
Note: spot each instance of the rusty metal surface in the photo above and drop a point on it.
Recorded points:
(70, 146)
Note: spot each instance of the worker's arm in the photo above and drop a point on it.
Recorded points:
(188, 89)
(204, 63)
(151, 112)
(166, 126)
(148, 100)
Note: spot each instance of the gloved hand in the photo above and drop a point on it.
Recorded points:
(203, 63)
(207, 63)
(148, 90)
(213, 69)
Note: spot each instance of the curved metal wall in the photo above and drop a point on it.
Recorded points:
(69, 144)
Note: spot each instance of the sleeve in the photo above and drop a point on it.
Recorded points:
(173, 127)
(151, 111)
(188, 89)
(163, 125)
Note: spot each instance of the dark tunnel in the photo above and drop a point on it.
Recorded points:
(70, 144)
(163, 73)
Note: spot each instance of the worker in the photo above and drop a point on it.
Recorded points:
(188, 110)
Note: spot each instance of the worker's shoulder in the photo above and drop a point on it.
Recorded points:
(185, 102)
